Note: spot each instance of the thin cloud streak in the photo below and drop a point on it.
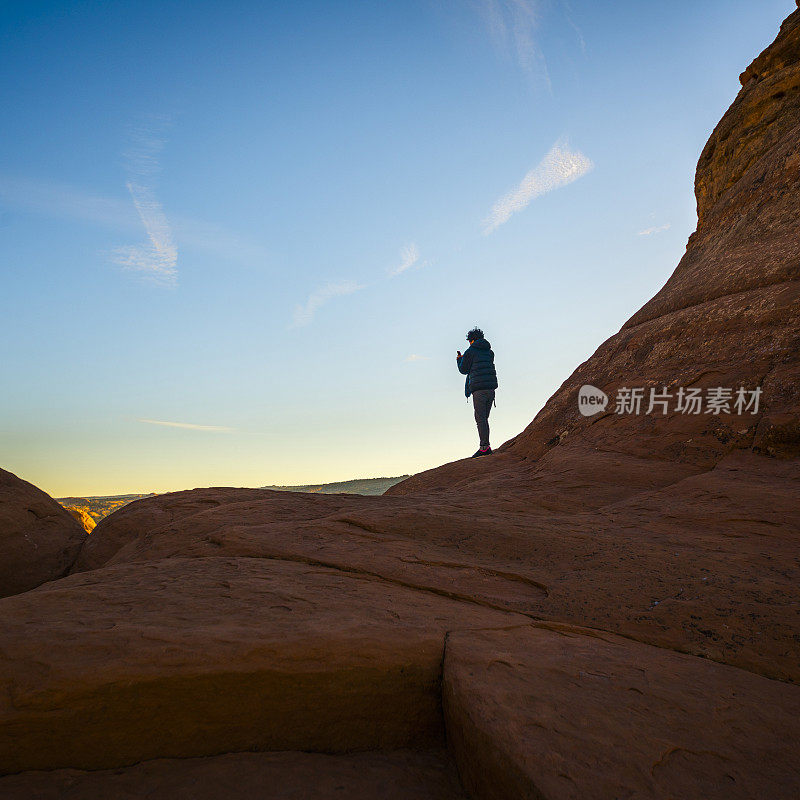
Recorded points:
(66, 202)
(415, 357)
(158, 259)
(409, 256)
(574, 25)
(655, 230)
(512, 25)
(304, 314)
(561, 166)
(63, 201)
(188, 426)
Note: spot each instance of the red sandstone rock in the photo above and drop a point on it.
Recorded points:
(398, 775)
(705, 563)
(140, 516)
(568, 714)
(38, 538)
(728, 316)
(83, 516)
(191, 657)
(221, 619)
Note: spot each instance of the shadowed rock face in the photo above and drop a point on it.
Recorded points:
(39, 539)
(607, 607)
(396, 775)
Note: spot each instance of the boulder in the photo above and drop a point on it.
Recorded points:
(127, 523)
(39, 539)
(566, 713)
(188, 657)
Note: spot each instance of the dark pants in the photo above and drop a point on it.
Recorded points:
(482, 400)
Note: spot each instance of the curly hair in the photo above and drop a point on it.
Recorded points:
(474, 335)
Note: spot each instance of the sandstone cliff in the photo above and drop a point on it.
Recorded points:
(728, 315)
(611, 610)
(83, 516)
(99, 507)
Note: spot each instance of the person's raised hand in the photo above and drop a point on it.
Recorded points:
(458, 354)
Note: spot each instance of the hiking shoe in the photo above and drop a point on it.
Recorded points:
(483, 452)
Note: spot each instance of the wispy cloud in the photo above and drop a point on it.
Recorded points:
(654, 230)
(571, 20)
(63, 201)
(415, 357)
(188, 426)
(512, 25)
(304, 314)
(157, 259)
(558, 168)
(67, 202)
(409, 257)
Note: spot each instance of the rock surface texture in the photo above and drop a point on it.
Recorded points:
(607, 607)
(83, 517)
(39, 540)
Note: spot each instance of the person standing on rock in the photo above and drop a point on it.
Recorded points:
(477, 364)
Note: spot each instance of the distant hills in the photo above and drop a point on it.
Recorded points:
(372, 486)
(90, 510)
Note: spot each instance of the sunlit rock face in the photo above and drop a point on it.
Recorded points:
(606, 607)
(83, 516)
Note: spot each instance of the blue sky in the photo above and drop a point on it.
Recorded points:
(270, 225)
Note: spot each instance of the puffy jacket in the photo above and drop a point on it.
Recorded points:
(477, 364)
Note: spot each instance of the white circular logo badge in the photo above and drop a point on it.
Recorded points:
(591, 400)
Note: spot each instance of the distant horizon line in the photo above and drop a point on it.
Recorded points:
(193, 488)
